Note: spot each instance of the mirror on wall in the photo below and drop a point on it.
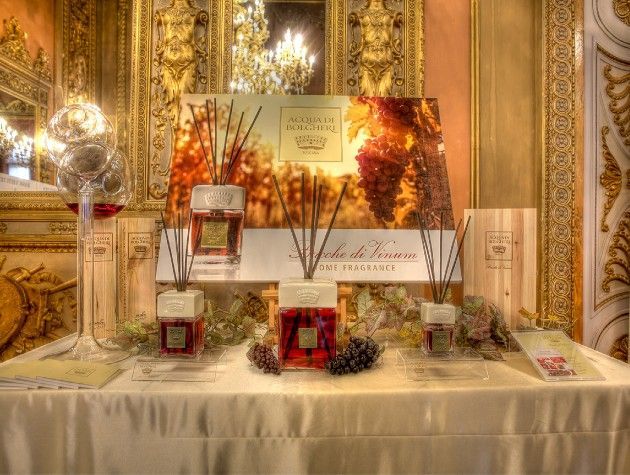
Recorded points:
(25, 95)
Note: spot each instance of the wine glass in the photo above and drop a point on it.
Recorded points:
(81, 142)
(84, 130)
(112, 189)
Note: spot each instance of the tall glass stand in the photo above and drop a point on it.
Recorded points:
(86, 347)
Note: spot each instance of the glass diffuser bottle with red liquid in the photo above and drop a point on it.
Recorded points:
(218, 215)
(180, 311)
(307, 323)
(438, 317)
(307, 319)
(218, 209)
(180, 317)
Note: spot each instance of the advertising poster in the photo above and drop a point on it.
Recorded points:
(390, 151)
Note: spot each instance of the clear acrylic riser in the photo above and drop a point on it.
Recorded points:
(414, 364)
(179, 368)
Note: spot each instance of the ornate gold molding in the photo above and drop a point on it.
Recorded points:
(622, 10)
(13, 46)
(62, 227)
(619, 348)
(562, 173)
(619, 101)
(610, 179)
(346, 43)
(79, 45)
(619, 255)
(375, 53)
(180, 66)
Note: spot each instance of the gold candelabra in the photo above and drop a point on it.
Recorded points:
(287, 69)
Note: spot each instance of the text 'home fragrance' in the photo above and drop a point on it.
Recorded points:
(307, 319)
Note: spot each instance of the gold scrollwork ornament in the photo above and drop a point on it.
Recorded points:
(619, 101)
(375, 53)
(179, 61)
(617, 267)
(610, 179)
(622, 10)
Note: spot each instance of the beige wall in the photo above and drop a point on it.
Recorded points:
(447, 77)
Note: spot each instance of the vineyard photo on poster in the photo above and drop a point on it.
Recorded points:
(389, 150)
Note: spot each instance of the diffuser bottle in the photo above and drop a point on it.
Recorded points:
(181, 324)
(307, 323)
(218, 214)
(438, 327)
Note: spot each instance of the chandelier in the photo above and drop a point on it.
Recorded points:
(257, 70)
(13, 151)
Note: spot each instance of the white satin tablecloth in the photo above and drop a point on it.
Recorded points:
(374, 422)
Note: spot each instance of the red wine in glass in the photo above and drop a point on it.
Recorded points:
(101, 210)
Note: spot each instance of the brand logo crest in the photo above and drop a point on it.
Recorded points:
(218, 198)
(175, 306)
(307, 296)
(310, 142)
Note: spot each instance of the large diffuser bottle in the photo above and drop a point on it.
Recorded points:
(307, 323)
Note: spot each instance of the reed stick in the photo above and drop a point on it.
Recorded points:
(459, 248)
(212, 151)
(427, 258)
(288, 218)
(303, 220)
(168, 243)
(238, 153)
(332, 221)
(203, 147)
(311, 249)
(227, 132)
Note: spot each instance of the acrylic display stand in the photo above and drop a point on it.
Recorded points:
(200, 369)
(464, 363)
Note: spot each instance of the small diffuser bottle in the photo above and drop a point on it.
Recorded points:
(307, 323)
(438, 318)
(438, 327)
(218, 214)
(180, 319)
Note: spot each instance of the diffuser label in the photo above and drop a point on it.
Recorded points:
(499, 245)
(140, 246)
(176, 337)
(310, 134)
(440, 341)
(307, 337)
(214, 235)
(103, 248)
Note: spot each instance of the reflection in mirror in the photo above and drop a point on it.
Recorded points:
(24, 94)
(17, 129)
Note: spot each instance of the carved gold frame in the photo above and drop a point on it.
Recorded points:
(561, 198)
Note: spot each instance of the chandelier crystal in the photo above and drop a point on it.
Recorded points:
(287, 69)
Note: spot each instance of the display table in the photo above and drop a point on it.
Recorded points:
(375, 422)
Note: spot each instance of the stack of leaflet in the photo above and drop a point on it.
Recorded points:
(53, 374)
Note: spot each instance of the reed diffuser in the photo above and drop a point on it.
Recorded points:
(180, 311)
(438, 318)
(308, 306)
(218, 209)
